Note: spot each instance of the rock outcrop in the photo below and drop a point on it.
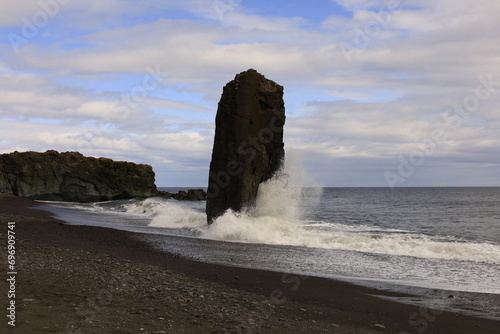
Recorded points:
(248, 146)
(181, 195)
(70, 176)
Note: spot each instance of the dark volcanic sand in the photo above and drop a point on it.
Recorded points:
(81, 279)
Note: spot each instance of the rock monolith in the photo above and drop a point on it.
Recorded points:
(248, 145)
(70, 176)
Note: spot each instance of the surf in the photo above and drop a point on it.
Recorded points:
(277, 219)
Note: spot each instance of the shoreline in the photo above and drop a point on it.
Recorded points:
(249, 300)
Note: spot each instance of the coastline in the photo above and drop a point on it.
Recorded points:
(84, 279)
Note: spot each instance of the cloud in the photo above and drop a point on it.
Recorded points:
(84, 82)
(12, 13)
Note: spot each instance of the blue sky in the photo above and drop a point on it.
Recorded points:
(377, 93)
(313, 13)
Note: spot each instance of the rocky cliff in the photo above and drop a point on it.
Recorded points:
(181, 195)
(70, 176)
(248, 145)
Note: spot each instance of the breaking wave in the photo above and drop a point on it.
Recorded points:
(273, 230)
(276, 220)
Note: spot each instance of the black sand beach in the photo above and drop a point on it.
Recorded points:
(81, 279)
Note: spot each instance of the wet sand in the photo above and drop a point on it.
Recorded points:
(83, 279)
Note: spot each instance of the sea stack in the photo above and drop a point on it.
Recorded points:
(248, 145)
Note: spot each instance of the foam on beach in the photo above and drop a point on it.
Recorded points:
(275, 236)
(276, 220)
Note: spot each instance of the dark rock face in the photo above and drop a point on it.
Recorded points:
(181, 195)
(70, 176)
(248, 145)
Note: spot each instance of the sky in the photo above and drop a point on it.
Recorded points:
(378, 93)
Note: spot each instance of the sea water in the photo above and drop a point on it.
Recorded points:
(407, 239)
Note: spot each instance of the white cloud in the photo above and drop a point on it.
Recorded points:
(11, 13)
(61, 89)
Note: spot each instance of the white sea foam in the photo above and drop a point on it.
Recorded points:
(148, 207)
(276, 220)
(273, 230)
(173, 215)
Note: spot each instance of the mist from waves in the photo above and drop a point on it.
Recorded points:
(277, 219)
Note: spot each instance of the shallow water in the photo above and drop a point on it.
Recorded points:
(407, 239)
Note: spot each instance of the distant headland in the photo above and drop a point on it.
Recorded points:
(70, 176)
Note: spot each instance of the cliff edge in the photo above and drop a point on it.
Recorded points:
(70, 176)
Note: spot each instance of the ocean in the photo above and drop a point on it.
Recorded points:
(442, 244)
